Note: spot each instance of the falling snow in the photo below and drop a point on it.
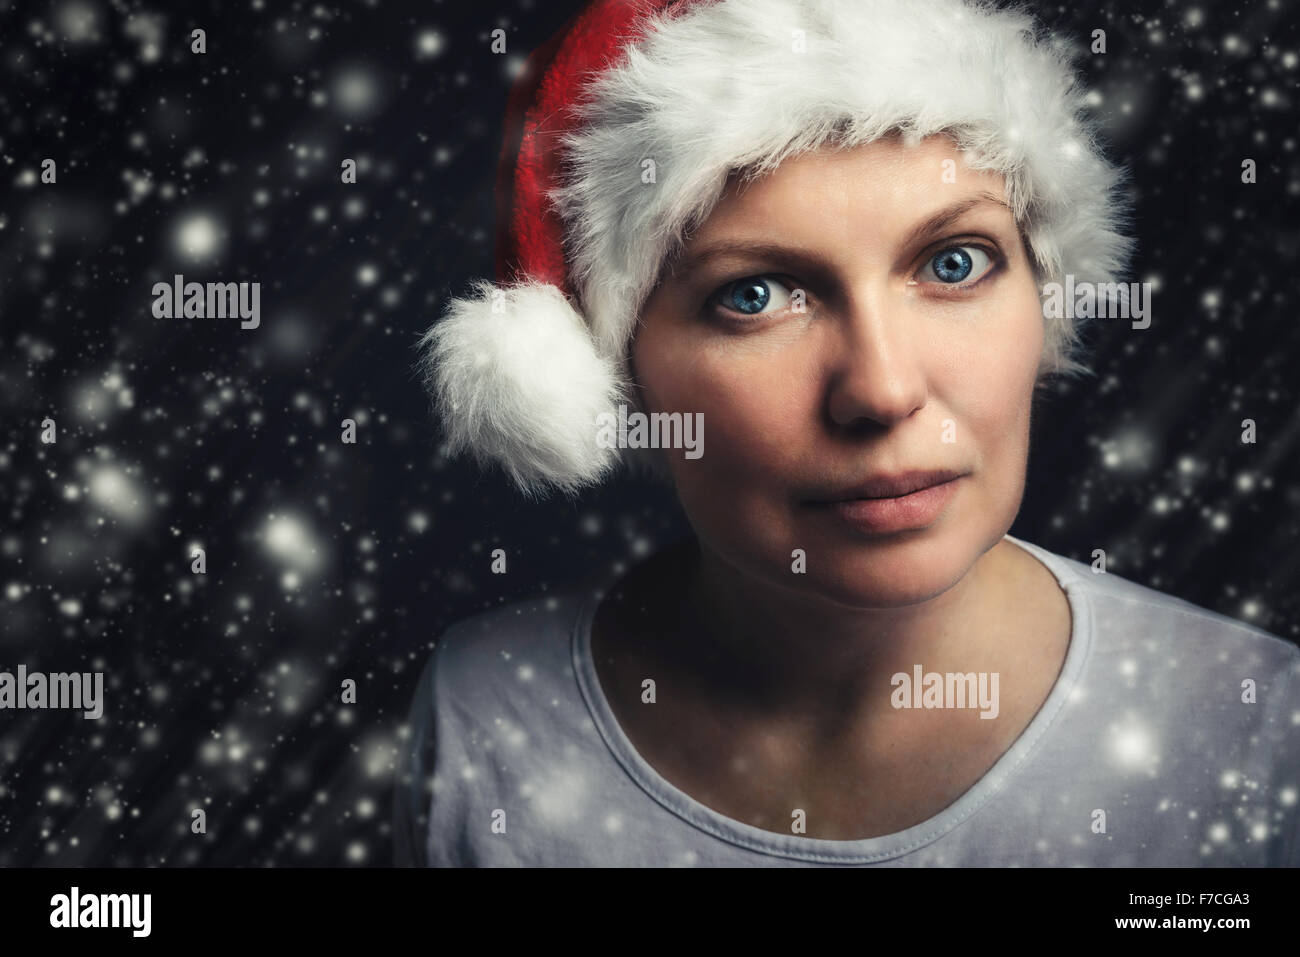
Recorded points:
(329, 562)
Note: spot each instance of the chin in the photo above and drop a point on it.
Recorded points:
(889, 584)
(892, 571)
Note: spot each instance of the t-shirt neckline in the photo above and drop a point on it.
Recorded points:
(822, 850)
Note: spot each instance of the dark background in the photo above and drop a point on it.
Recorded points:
(328, 561)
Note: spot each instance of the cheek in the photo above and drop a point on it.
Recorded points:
(755, 437)
(743, 390)
(992, 380)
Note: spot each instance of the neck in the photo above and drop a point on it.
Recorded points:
(777, 651)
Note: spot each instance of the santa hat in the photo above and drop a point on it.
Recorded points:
(621, 133)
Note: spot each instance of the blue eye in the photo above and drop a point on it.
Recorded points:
(957, 264)
(751, 295)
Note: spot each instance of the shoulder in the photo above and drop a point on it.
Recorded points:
(486, 668)
(1128, 616)
(512, 640)
(1205, 703)
(492, 680)
(1220, 684)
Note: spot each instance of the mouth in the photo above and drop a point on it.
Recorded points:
(884, 486)
(886, 504)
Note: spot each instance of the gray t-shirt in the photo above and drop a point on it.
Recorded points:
(1149, 751)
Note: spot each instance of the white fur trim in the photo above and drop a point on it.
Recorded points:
(516, 380)
(720, 87)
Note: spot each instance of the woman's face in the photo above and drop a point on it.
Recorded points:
(917, 347)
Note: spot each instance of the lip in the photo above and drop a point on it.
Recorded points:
(917, 499)
(891, 486)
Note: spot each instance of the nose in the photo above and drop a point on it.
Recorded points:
(875, 373)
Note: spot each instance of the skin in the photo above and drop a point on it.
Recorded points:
(774, 688)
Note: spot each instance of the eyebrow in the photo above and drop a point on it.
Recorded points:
(949, 214)
(731, 247)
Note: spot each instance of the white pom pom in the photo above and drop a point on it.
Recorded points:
(516, 380)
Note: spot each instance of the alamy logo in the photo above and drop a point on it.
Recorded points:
(214, 300)
(658, 430)
(931, 689)
(1090, 300)
(103, 910)
(36, 689)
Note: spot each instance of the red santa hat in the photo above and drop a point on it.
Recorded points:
(621, 133)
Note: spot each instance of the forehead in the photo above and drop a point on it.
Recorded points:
(881, 184)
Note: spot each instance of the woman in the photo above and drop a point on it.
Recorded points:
(822, 230)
